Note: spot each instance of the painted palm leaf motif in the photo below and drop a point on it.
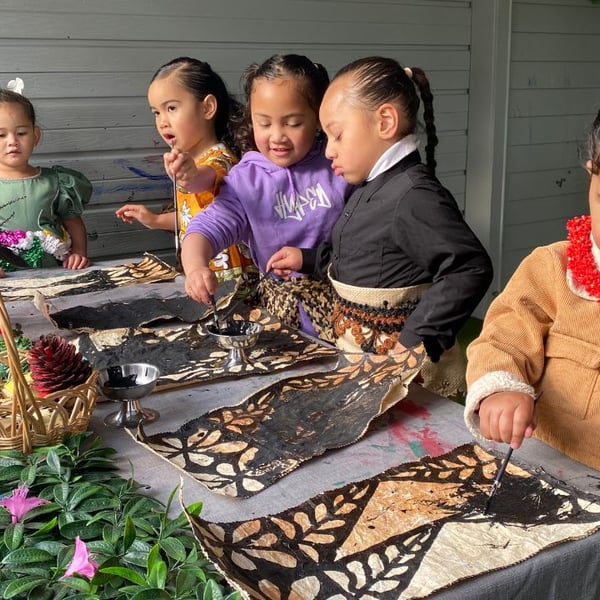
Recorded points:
(240, 450)
(406, 533)
(188, 355)
(149, 269)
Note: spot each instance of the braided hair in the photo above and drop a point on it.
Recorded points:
(377, 80)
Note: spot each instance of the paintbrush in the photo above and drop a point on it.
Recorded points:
(497, 479)
(500, 473)
(176, 211)
(213, 303)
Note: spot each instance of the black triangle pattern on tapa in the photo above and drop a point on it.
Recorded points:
(188, 355)
(321, 548)
(149, 269)
(240, 450)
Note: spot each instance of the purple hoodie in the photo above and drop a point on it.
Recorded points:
(268, 207)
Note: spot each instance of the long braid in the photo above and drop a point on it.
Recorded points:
(422, 83)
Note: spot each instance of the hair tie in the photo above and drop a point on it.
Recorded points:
(16, 85)
(408, 72)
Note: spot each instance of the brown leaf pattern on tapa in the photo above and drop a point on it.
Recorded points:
(368, 540)
(282, 425)
(148, 270)
(188, 355)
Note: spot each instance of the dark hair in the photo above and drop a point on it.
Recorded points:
(10, 97)
(377, 80)
(199, 79)
(312, 77)
(593, 145)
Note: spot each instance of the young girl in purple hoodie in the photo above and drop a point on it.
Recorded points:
(282, 192)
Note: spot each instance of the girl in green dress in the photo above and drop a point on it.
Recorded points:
(40, 207)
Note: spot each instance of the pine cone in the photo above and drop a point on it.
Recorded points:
(55, 365)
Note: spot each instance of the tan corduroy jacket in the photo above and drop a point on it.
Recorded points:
(541, 335)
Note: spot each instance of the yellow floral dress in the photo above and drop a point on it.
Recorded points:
(235, 260)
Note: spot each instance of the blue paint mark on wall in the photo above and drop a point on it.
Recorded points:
(145, 175)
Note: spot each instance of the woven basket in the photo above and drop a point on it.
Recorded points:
(27, 421)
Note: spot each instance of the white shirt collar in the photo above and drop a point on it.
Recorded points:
(394, 154)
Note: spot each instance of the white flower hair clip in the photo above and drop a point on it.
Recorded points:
(16, 85)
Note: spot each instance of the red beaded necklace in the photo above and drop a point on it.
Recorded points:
(580, 259)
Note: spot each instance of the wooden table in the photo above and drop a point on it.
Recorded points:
(433, 424)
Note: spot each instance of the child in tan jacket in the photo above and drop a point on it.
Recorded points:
(543, 333)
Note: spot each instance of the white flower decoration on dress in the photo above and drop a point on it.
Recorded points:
(16, 85)
(53, 245)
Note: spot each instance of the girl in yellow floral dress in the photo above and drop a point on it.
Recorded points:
(192, 107)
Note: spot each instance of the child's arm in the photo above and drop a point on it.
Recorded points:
(189, 176)
(78, 258)
(507, 417)
(200, 281)
(138, 212)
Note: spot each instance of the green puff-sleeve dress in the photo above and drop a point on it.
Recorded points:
(40, 205)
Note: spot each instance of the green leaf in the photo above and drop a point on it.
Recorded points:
(78, 583)
(173, 548)
(128, 534)
(174, 524)
(100, 547)
(194, 509)
(12, 457)
(29, 474)
(37, 571)
(49, 526)
(137, 558)
(146, 526)
(42, 509)
(11, 473)
(125, 573)
(54, 547)
(185, 580)
(13, 535)
(82, 529)
(212, 591)
(23, 556)
(53, 461)
(153, 557)
(111, 534)
(157, 574)
(141, 505)
(81, 493)
(61, 493)
(152, 594)
(199, 573)
(92, 505)
(22, 585)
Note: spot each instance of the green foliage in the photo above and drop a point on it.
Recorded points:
(142, 552)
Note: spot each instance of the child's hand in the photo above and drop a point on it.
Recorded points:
(181, 165)
(76, 261)
(201, 284)
(137, 212)
(507, 417)
(285, 261)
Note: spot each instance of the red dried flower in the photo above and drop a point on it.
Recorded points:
(580, 259)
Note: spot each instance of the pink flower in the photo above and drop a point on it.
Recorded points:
(81, 563)
(19, 504)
